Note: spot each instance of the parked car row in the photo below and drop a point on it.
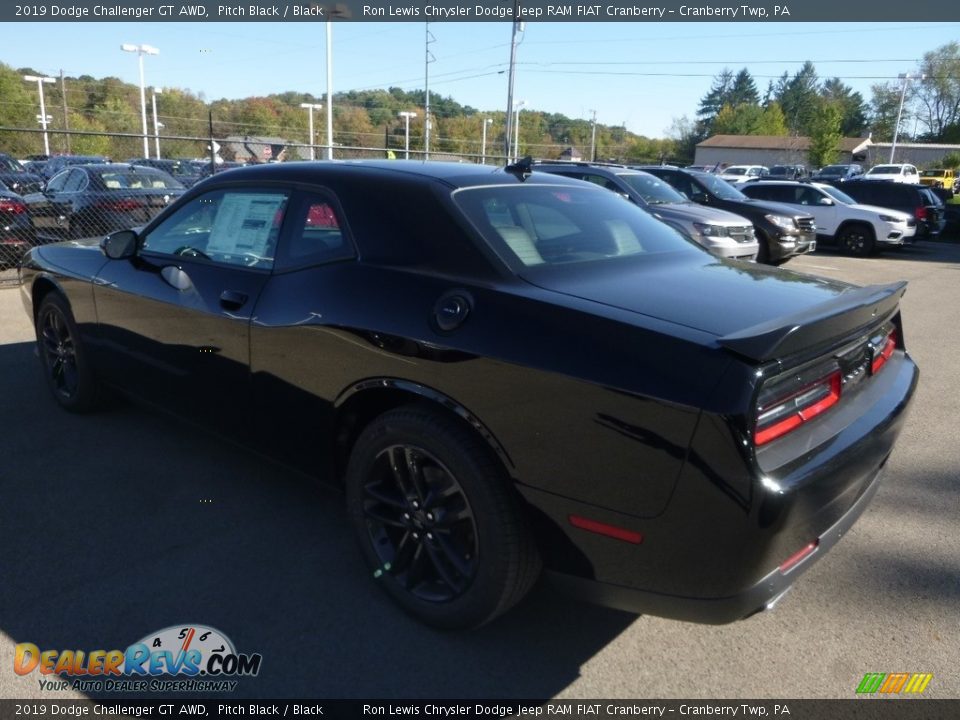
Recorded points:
(772, 220)
(83, 200)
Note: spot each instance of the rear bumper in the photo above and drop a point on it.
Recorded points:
(714, 554)
(716, 611)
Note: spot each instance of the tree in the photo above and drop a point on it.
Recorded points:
(883, 111)
(798, 99)
(743, 91)
(716, 97)
(853, 120)
(825, 133)
(684, 135)
(772, 121)
(938, 94)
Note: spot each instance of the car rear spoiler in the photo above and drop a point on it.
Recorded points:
(843, 315)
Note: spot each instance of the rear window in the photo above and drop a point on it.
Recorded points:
(550, 225)
(138, 179)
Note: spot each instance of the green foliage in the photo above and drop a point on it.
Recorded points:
(950, 160)
(938, 93)
(825, 133)
(883, 111)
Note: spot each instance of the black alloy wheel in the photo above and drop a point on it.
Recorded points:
(856, 240)
(66, 371)
(420, 523)
(437, 519)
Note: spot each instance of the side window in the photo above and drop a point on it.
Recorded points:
(807, 196)
(602, 182)
(232, 227)
(682, 184)
(315, 233)
(57, 182)
(77, 180)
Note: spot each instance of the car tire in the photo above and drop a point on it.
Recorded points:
(437, 520)
(66, 367)
(856, 240)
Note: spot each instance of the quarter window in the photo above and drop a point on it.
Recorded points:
(316, 233)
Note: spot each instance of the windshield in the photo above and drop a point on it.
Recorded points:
(10, 165)
(555, 224)
(884, 170)
(735, 170)
(933, 173)
(833, 170)
(721, 188)
(653, 190)
(779, 170)
(839, 196)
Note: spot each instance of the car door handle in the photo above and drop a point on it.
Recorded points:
(232, 300)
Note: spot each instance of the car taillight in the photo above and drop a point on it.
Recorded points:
(14, 207)
(786, 404)
(883, 354)
(920, 213)
(119, 205)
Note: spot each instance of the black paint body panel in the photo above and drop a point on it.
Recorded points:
(604, 393)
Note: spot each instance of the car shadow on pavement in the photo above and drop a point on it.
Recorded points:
(119, 524)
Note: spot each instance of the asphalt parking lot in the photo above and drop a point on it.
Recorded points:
(119, 524)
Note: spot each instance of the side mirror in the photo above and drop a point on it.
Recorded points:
(119, 245)
(824, 201)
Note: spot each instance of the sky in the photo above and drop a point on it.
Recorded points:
(642, 75)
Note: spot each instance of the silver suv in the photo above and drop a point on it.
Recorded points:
(722, 233)
(841, 220)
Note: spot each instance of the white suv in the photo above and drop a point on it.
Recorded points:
(901, 173)
(737, 174)
(857, 229)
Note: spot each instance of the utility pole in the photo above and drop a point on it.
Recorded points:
(66, 120)
(427, 121)
(508, 127)
(593, 137)
(329, 91)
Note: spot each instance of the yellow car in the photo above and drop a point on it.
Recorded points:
(939, 178)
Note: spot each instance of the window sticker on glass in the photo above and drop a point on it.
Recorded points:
(244, 224)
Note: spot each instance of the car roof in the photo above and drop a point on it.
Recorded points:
(452, 174)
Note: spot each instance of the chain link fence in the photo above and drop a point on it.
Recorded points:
(68, 185)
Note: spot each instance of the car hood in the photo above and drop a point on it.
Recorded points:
(699, 213)
(695, 290)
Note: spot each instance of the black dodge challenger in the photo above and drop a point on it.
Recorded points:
(506, 371)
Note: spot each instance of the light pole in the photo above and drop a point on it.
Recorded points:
(156, 125)
(516, 131)
(142, 50)
(593, 137)
(906, 77)
(406, 142)
(43, 108)
(310, 107)
(330, 90)
(483, 145)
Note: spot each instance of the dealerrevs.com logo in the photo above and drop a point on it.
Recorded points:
(181, 658)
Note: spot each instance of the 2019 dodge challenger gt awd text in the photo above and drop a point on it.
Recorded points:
(507, 371)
